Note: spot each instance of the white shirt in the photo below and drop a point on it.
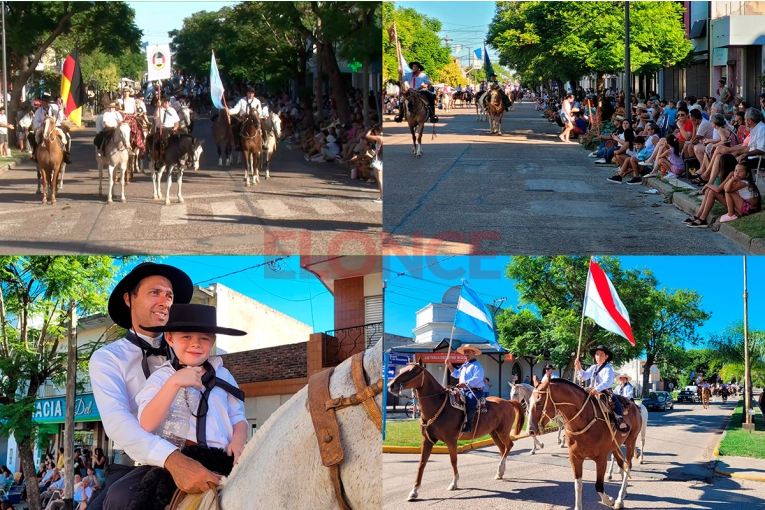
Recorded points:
(470, 373)
(40, 115)
(245, 105)
(224, 412)
(169, 120)
(117, 377)
(757, 138)
(128, 105)
(625, 390)
(3, 120)
(111, 119)
(552, 376)
(603, 381)
(706, 129)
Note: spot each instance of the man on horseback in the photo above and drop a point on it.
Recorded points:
(111, 118)
(494, 83)
(471, 381)
(602, 376)
(419, 81)
(241, 112)
(48, 108)
(131, 107)
(625, 389)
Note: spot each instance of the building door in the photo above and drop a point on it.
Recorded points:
(373, 318)
(516, 374)
(752, 73)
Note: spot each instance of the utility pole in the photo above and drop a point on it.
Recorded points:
(747, 425)
(5, 72)
(627, 73)
(71, 383)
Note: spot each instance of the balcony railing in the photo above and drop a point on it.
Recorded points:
(341, 344)
(50, 390)
(721, 8)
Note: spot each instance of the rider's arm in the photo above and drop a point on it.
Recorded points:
(111, 394)
(155, 399)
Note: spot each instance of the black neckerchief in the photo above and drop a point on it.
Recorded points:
(210, 381)
(148, 350)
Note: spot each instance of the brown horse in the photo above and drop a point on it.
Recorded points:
(50, 157)
(705, 394)
(252, 145)
(223, 137)
(416, 114)
(441, 421)
(590, 433)
(496, 110)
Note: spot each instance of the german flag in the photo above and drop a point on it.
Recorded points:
(73, 92)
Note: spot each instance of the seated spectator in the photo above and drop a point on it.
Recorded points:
(739, 125)
(82, 495)
(580, 124)
(56, 487)
(670, 161)
(630, 164)
(744, 199)
(623, 138)
(722, 137)
(93, 479)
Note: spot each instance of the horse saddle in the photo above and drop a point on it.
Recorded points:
(458, 400)
(606, 397)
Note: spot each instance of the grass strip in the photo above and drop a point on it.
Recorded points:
(742, 443)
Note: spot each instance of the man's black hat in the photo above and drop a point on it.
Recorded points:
(609, 354)
(193, 318)
(183, 289)
(417, 64)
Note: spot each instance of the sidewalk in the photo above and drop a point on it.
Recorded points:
(747, 468)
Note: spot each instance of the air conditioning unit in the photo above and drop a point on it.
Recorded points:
(80, 425)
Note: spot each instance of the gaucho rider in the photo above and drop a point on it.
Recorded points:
(419, 81)
(494, 82)
(471, 380)
(242, 109)
(48, 108)
(625, 389)
(166, 117)
(131, 107)
(111, 118)
(602, 376)
(118, 372)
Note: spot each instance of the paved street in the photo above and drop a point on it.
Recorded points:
(676, 472)
(304, 208)
(522, 193)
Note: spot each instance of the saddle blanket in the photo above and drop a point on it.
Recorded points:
(458, 401)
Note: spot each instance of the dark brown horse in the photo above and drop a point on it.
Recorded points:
(50, 158)
(590, 433)
(223, 135)
(252, 145)
(416, 115)
(441, 421)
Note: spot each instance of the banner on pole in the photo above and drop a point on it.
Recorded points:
(159, 62)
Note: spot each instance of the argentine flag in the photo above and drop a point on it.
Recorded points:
(473, 316)
(216, 85)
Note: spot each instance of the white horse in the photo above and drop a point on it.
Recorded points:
(644, 415)
(522, 393)
(281, 466)
(446, 101)
(480, 109)
(272, 129)
(115, 157)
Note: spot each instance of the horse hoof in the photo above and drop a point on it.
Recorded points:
(498, 477)
(180, 200)
(123, 200)
(618, 504)
(563, 445)
(608, 477)
(167, 202)
(411, 497)
(532, 452)
(452, 487)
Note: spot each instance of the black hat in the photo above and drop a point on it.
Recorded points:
(251, 89)
(492, 74)
(194, 318)
(46, 97)
(549, 366)
(183, 289)
(609, 354)
(417, 64)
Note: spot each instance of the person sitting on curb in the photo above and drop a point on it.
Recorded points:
(738, 183)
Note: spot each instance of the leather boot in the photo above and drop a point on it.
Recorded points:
(67, 159)
(469, 424)
(399, 117)
(621, 426)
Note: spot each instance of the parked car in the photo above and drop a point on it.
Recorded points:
(688, 394)
(661, 400)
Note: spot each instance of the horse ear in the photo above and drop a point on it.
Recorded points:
(535, 380)
(419, 362)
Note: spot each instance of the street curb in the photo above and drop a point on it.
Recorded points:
(12, 164)
(724, 472)
(460, 449)
(690, 204)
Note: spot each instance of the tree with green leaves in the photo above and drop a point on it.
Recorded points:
(728, 348)
(552, 291)
(91, 26)
(418, 35)
(37, 293)
(564, 41)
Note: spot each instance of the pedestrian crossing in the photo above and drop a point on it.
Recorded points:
(71, 221)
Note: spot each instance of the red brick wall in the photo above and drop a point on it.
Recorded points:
(349, 302)
(269, 364)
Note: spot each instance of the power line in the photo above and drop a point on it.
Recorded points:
(272, 264)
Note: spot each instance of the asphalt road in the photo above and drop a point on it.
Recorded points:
(676, 472)
(524, 192)
(308, 208)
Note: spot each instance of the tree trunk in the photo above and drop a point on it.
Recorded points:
(71, 381)
(319, 88)
(365, 77)
(647, 373)
(26, 454)
(339, 91)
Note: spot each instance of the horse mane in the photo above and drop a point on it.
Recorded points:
(567, 382)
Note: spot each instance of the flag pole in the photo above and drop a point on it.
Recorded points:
(584, 301)
(225, 108)
(448, 353)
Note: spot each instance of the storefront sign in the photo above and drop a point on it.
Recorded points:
(53, 410)
(440, 357)
(509, 357)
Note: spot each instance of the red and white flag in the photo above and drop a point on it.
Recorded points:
(602, 304)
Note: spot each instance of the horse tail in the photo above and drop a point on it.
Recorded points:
(520, 417)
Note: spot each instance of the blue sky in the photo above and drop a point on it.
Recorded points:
(156, 19)
(289, 289)
(464, 22)
(718, 279)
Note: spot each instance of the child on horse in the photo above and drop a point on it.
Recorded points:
(602, 376)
